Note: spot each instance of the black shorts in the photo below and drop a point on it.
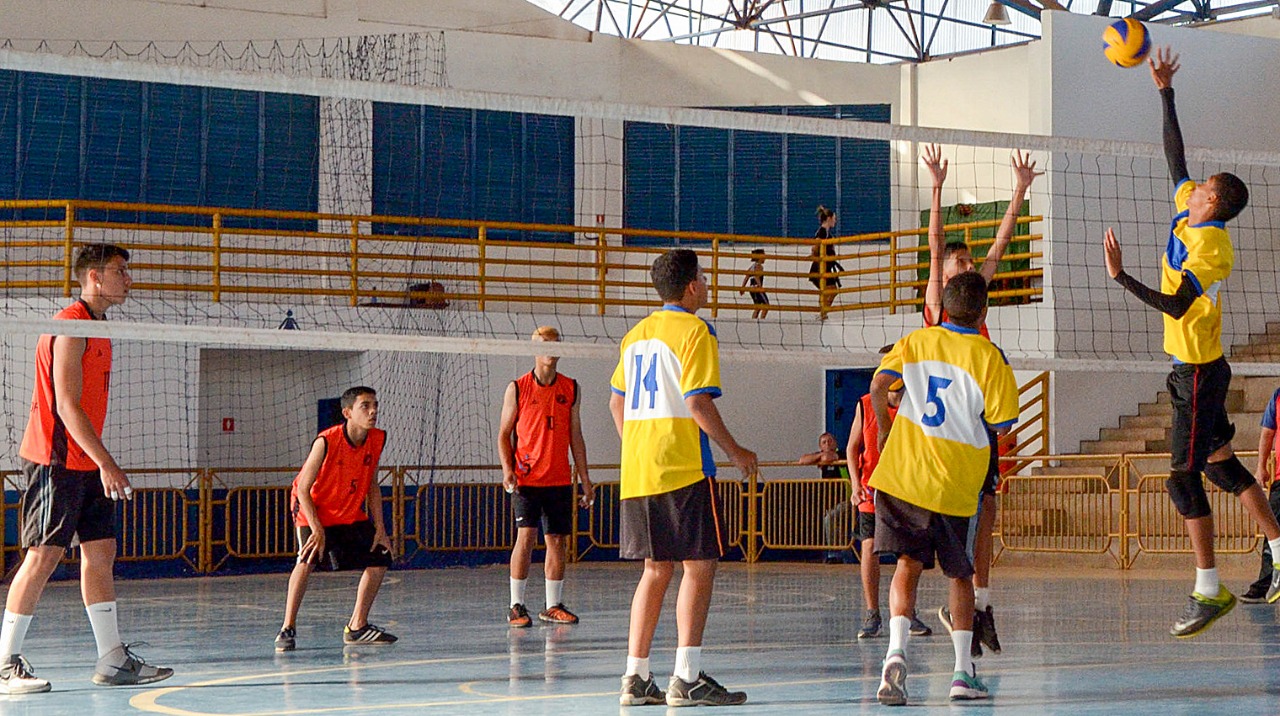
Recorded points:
(912, 531)
(760, 298)
(61, 505)
(673, 526)
(348, 546)
(992, 482)
(1200, 422)
(866, 525)
(550, 507)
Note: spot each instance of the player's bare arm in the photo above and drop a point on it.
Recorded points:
(937, 166)
(506, 438)
(68, 387)
(578, 446)
(1024, 172)
(851, 451)
(616, 410)
(373, 505)
(314, 546)
(880, 404)
(707, 416)
(1265, 441)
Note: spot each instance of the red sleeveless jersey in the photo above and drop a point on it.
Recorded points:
(870, 455)
(544, 415)
(46, 440)
(929, 322)
(340, 489)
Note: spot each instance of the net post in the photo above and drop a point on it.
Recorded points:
(68, 246)
(217, 257)
(715, 274)
(355, 262)
(481, 236)
(602, 269)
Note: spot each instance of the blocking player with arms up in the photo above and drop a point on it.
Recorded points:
(1197, 259)
(932, 466)
(337, 508)
(73, 483)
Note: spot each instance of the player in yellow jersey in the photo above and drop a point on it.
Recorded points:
(663, 406)
(1197, 259)
(932, 467)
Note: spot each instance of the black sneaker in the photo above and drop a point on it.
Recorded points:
(1273, 592)
(287, 639)
(871, 624)
(919, 628)
(1202, 612)
(16, 677)
(706, 691)
(368, 634)
(1256, 594)
(122, 667)
(639, 691)
(984, 629)
(975, 646)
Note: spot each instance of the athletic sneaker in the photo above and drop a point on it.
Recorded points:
(557, 615)
(639, 691)
(287, 639)
(1256, 594)
(893, 681)
(1273, 593)
(984, 629)
(16, 677)
(706, 691)
(967, 688)
(122, 667)
(518, 617)
(367, 634)
(975, 646)
(871, 624)
(1201, 612)
(919, 628)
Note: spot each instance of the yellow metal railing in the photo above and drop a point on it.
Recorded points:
(353, 258)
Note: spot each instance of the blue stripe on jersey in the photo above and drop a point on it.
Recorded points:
(708, 460)
(958, 329)
(712, 391)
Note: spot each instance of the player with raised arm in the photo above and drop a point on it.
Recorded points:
(1197, 259)
(663, 404)
(73, 483)
(946, 261)
(541, 424)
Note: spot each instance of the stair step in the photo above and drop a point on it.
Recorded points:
(1131, 433)
(1146, 421)
(1110, 447)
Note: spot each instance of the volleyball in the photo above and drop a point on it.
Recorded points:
(1126, 42)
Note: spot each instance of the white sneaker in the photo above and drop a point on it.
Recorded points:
(16, 677)
(893, 681)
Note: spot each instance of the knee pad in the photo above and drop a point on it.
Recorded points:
(1187, 492)
(1230, 475)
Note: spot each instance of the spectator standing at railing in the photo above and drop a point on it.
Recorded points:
(541, 425)
(754, 282)
(829, 460)
(73, 483)
(1257, 592)
(826, 285)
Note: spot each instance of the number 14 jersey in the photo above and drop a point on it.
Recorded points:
(958, 383)
(670, 355)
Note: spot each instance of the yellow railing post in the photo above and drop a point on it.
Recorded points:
(602, 270)
(68, 247)
(217, 258)
(750, 549)
(397, 511)
(893, 275)
(1123, 476)
(481, 237)
(204, 509)
(715, 277)
(355, 262)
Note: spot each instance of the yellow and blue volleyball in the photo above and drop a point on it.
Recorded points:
(1126, 42)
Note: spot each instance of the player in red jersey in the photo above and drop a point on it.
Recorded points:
(337, 508)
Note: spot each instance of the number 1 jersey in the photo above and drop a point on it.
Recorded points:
(667, 357)
(958, 383)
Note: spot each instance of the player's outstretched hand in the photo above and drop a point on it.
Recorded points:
(313, 547)
(1024, 170)
(1163, 63)
(932, 157)
(1111, 246)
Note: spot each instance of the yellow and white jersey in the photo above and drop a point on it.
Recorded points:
(1204, 255)
(938, 451)
(670, 355)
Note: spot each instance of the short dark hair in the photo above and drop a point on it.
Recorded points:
(95, 256)
(673, 271)
(886, 348)
(351, 395)
(757, 252)
(1233, 196)
(964, 299)
(824, 213)
(952, 247)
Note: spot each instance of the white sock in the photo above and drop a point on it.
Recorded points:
(517, 591)
(899, 630)
(102, 617)
(688, 663)
(1274, 544)
(963, 641)
(637, 666)
(1207, 582)
(555, 592)
(13, 633)
(981, 598)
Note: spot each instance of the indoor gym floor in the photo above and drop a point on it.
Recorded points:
(1075, 642)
